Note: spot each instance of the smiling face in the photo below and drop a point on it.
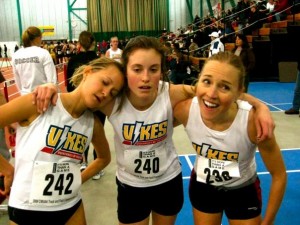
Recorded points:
(217, 90)
(143, 75)
(101, 86)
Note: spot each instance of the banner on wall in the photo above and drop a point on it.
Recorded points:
(47, 30)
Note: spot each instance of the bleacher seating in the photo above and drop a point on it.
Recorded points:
(229, 46)
(291, 18)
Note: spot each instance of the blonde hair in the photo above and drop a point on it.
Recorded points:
(96, 65)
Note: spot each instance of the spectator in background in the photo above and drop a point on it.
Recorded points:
(243, 50)
(5, 51)
(87, 44)
(59, 54)
(196, 21)
(178, 66)
(114, 52)
(296, 100)
(16, 48)
(193, 48)
(32, 65)
(216, 45)
(51, 48)
(243, 13)
(103, 47)
(270, 10)
(254, 20)
(0, 51)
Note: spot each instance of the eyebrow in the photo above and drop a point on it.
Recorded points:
(114, 89)
(138, 64)
(224, 81)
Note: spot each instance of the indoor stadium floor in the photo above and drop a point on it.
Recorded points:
(99, 196)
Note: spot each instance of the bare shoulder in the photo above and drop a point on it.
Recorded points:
(18, 110)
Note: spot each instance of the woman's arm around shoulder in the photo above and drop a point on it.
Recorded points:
(180, 92)
(44, 95)
(272, 158)
(264, 122)
(102, 149)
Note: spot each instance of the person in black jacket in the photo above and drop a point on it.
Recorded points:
(254, 20)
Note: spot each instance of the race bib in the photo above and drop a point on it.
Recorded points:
(216, 172)
(54, 183)
(146, 164)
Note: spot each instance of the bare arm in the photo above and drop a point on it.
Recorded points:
(101, 146)
(18, 110)
(272, 158)
(180, 93)
(264, 122)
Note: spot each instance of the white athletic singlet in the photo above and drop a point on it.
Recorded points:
(145, 152)
(47, 175)
(113, 54)
(33, 66)
(224, 158)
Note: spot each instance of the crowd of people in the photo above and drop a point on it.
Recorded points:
(147, 165)
(62, 50)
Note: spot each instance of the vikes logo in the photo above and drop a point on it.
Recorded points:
(215, 153)
(64, 139)
(144, 134)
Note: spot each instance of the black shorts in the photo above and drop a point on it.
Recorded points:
(241, 203)
(32, 217)
(135, 204)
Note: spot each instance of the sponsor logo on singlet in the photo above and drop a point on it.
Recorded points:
(64, 142)
(144, 134)
(207, 151)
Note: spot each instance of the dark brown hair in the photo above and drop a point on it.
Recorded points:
(87, 40)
